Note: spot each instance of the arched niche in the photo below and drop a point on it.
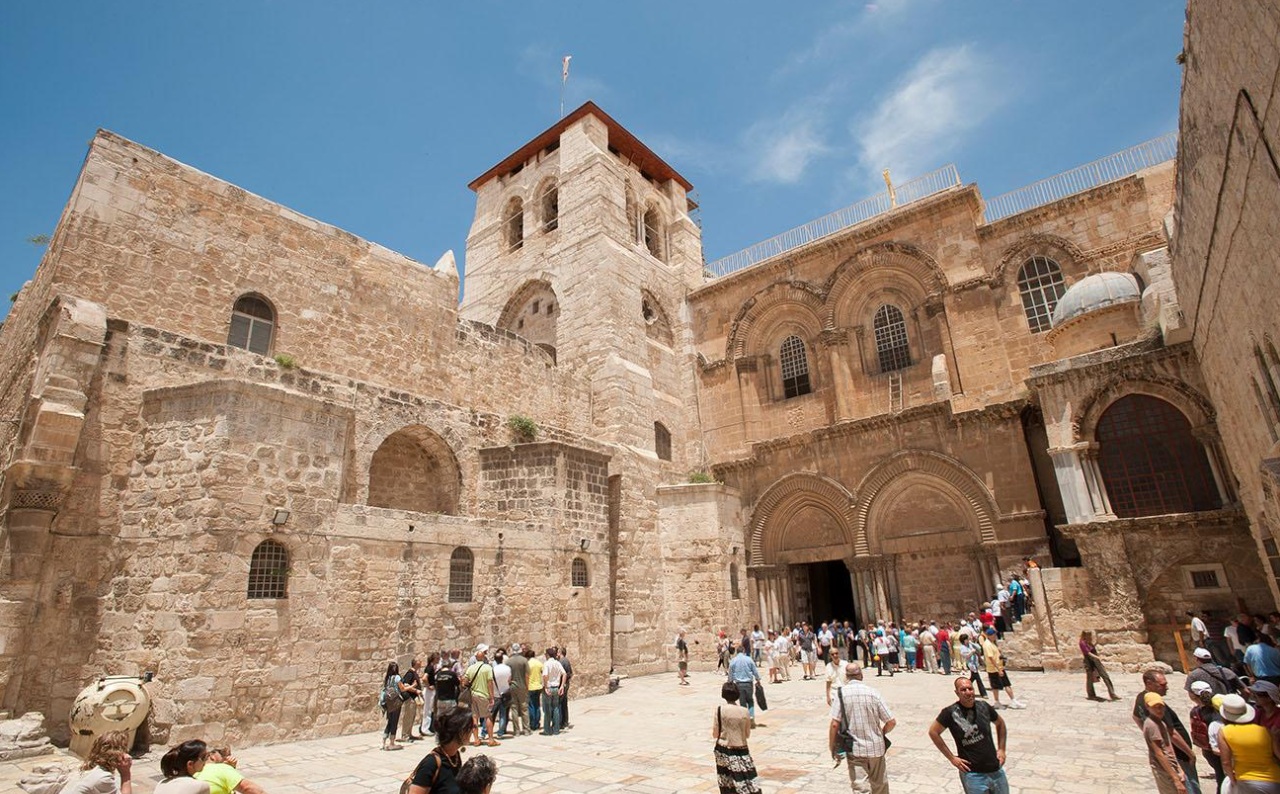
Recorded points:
(778, 521)
(533, 312)
(415, 469)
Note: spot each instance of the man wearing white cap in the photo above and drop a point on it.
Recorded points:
(1205, 722)
(1248, 750)
(1164, 764)
(1221, 679)
(479, 678)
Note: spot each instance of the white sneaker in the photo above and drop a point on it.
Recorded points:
(1018, 704)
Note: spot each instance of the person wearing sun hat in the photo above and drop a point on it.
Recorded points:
(1266, 699)
(1164, 764)
(1248, 750)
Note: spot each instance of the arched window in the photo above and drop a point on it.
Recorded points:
(269, 571)
(253, 321)
(661, 441)
(549, 202)
(891, 339)
(1040, 282)
(462, 565)
(578, 573)
(513, 224)
(795, 367)
(653, 230)
(633, 217)
(734, 593)
(1150, 461)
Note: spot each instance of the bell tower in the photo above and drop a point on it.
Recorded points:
(582, 243)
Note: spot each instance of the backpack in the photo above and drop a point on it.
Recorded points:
(447, 681)
(1199, 730)
(390, 692)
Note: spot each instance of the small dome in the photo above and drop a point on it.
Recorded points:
(1095, 292)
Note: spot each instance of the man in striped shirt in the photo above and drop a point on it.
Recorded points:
(866, 717)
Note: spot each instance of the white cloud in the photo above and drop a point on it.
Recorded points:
(781, 149)
(949, 93)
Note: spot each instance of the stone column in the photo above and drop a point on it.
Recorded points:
(749, 373)
(1208, 437)
(27, 539)
(1080, 481)
(836, 344)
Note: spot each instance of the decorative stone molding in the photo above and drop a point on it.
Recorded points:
(788, 495)
(1059, 249)
(799, 301)
(949, 470)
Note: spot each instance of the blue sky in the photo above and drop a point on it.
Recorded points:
(374, 115)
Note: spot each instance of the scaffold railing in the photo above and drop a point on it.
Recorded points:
(1082, 178)
(914, 190)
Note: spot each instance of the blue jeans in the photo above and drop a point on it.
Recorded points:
(984, 782)
(1193, 779)
(551, 711)
(535, 709)
(944, 657)
(747, 697)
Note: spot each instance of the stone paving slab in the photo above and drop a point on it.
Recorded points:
(653, 735)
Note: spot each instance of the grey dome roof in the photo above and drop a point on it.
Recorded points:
(1095, 292)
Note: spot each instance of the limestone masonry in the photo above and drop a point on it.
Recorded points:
(261, 457)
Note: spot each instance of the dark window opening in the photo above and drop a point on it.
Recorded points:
(269, 571)
(892, 348)
(795, 367)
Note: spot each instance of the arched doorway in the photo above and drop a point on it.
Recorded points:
(801, 544)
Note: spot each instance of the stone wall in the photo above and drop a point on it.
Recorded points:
(1224, 255)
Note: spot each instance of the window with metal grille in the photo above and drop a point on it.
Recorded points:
(734, 593)
(550, 207)
(1204, 579)
(252, 323)
(653, 232)
(795, 367)
(513, 224)
(461, 575)
(1150, 462)
(1273, 557)
(891, 339)
(661, 441)
(578, 573)
(269, 571)
(1040, 282)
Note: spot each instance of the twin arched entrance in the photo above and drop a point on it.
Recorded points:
(914, 541)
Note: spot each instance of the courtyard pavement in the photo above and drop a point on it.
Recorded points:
(653, 735)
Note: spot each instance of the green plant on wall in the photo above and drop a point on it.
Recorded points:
(522, 428)
(700, 477)
(286, 361)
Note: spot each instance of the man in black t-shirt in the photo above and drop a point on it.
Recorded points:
(979, 759)
(409, 713)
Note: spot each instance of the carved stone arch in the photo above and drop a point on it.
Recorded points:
(533, 312)
(1061, 250)
(799, 299)
(953, 474)
(656, 319)
(787, 496)
(905, 258)
(415, 468)
(1193, 405)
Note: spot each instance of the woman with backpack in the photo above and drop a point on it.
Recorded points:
(392, 686)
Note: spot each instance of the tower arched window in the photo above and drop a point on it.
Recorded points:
(253, 323)
(633, 217)
(462, 565)
(269, 571)
(892, 348)
(549, 203)
(653, 232)
(1040, 282)
(1150, 461)
(578, 573)
(795, 367)
(513, 223)
(661, 441)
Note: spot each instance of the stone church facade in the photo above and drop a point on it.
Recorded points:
(260, 456)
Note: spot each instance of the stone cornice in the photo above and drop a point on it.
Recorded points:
(1230, 519)
(1142, 353)
(1036, 215)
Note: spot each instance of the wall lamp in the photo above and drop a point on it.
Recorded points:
(584, 544)
(280, 517)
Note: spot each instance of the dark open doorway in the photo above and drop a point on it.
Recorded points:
(831, 592)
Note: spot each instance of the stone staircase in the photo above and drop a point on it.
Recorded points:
(1027, 646)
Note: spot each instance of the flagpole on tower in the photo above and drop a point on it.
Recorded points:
(564, 78)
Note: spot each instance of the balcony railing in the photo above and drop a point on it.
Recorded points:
(1077, 180)
(914, 190)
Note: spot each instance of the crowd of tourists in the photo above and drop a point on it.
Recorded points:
(508, 693)
(860, 718)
